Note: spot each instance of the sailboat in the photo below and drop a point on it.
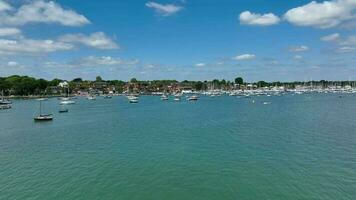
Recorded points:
(66, 100)
(43, 117)
(164, 97)
(4, 104)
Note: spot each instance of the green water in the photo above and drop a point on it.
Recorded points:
(299, 147)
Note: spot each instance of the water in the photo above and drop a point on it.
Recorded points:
(298, 147)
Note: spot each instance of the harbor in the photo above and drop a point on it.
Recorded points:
(224, 139)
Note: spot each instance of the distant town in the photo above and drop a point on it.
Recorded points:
(25, 86)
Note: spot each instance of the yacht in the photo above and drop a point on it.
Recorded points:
(132, 99)
(91, 97)
(66, 100)
(43, 117)
(164, 98)
(193, 98)
(3, 101)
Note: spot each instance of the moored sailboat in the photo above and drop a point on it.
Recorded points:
(43, 117)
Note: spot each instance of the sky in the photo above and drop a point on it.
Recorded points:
(269, 40)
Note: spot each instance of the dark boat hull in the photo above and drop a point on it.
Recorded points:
(43, 118)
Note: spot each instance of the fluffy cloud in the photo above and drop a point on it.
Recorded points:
(9, 31)
(298, 48)
(4, 6)
(331, 37)
(200, 65)
(258, 19)
(325, 14)
(28, 46)
(244, 57)
(341, 44)
(164, 9)
(40, 12)
(96, 40)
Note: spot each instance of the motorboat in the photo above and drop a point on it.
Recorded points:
(91, 98)
(67, 102)
(63, 111)
(133, 100)
(193, 98)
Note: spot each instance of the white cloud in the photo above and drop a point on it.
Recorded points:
(29, 46)
(331, 37)
(249, 18)
(351, 40)
(104, 60)
(325, 14)
(345, 49)
(41, 11)
(200, 65)
(96, 40)
(164, 9)
(92, 61)
(10, 32)
(244, 57)
(12, 64)
(4, 6)
(298, 48)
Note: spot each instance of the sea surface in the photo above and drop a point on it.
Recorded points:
(222, 148)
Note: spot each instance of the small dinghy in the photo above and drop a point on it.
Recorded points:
(63, 111)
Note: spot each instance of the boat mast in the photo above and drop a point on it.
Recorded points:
(40, 107)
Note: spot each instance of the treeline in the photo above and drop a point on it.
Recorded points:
(25, 85)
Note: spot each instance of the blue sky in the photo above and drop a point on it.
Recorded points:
(179, 39)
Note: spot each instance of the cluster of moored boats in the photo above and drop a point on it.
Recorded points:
(164, 97)
(193, 96)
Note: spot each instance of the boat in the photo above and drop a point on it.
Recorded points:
(164, 98)
(3, 101)
(43, 117)
(133, 100)
(91, 97)
(63, 111)
(5, 106)
(267, 103)
(193, 98)
(107, 97)
(132, 97)
(66, 100)
(176, 98)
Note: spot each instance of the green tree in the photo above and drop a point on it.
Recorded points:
(239, 80)
(78, 80)
(98, 79)
(133, 80)
(198, 86)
